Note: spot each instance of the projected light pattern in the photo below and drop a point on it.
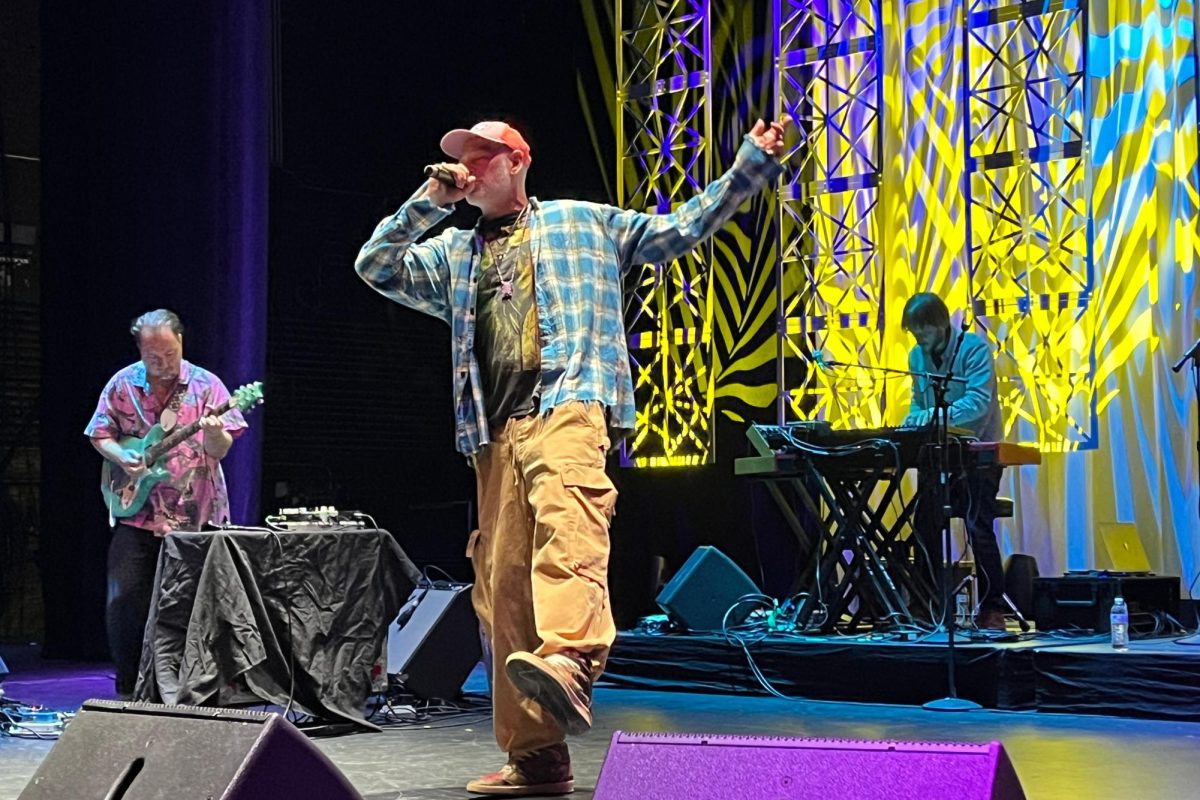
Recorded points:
(985, 154)
(1029, 214)
(1040, 168)
(830, 278)
(663, 138)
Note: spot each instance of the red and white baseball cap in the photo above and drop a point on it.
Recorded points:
(456, 140)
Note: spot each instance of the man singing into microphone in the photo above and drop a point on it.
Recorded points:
(975, 406)
(533, 297)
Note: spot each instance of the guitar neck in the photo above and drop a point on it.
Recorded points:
(173, 440)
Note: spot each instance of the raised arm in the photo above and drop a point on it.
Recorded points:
(395, 265)
(643, 238)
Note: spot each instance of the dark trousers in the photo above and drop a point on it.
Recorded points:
(973, 498)
(132, 561)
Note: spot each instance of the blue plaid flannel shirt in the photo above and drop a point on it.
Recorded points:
(580, 252)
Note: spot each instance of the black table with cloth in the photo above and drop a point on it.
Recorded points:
(245, 615)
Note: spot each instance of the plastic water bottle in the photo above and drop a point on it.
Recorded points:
(1119, 624)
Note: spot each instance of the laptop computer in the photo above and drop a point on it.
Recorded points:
(1124, 547)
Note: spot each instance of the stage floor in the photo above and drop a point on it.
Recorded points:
(1055, 755)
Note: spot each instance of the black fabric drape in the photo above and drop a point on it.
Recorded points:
(296, 619)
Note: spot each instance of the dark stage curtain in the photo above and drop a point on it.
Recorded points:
(155, 165)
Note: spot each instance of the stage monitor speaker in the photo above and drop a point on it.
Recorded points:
(669, 766)
(705, 589)
(113, 750)
(434, 643)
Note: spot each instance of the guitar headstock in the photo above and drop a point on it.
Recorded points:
(247, 396)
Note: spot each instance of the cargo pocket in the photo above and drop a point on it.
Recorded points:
(592, 487)
(593, 497)
(481, 590)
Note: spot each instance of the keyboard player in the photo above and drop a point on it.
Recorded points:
(973, 405)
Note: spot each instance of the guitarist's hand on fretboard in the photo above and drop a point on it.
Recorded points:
(211, 424)
(217, 440)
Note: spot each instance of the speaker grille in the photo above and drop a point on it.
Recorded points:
(672, 766)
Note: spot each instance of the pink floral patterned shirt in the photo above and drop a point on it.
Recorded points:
(195, 492)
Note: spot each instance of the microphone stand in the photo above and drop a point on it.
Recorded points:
(940, 383)
(1193, 355)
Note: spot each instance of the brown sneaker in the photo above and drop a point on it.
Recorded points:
(542, 772)
(561, 683)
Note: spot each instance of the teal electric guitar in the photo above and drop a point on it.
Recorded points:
(124, 496)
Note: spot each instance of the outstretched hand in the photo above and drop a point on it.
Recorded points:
(769, 138)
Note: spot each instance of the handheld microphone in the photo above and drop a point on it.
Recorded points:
(441, 174)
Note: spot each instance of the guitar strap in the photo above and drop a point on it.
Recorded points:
(170, 413)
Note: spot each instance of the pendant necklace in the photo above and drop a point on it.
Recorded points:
(506, 281)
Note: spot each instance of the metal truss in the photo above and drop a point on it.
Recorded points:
(829, 61)
(1029, 221)
(663, 141)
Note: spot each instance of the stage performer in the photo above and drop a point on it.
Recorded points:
(160, 388)
(541, 387)
(975, 407)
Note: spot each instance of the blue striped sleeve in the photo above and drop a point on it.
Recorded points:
(653, 238)
(395, 265)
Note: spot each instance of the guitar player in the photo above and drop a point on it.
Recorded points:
(159, 388)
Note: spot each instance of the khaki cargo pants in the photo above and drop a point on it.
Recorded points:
(541, 554)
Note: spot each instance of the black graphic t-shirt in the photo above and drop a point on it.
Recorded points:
(506, 335)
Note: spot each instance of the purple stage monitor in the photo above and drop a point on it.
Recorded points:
(681, 766)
